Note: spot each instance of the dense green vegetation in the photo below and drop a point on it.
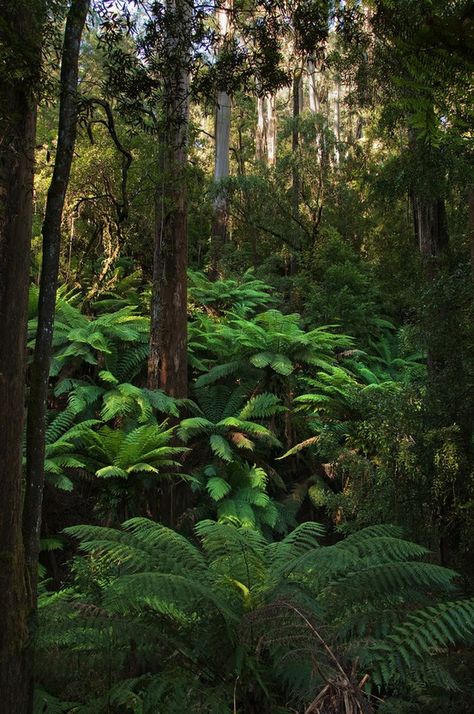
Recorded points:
(243, 481)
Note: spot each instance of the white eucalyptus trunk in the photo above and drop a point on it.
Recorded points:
(271, 130)
(266, 137)
(313, 88)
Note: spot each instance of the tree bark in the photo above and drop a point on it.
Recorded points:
(313, 88)
(261, 131)
(295, 142)
(297, 90)
(334, 111)
(20, 38)
(39, 382)
(167, 365)
(431, 230)
(220, 230)
(470, 227)
(271, 130)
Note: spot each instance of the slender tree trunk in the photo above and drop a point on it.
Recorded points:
(265, 135)
(295, 142)
(219, 231)
(315, 107)
(153, 381)
(313, 88)
(271, 130)
(37, 408)
(261, 131)
(431, 229)
(470, 227)
(167, 366)
(20, 37)
(334, 111)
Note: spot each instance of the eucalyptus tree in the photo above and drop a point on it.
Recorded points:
(222, 141)
(167, 366)
(20, 61)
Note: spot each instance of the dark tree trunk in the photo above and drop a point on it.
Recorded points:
(153, 381)
(295, 143)
(36, 425)
(431, 230)
(20, 41)
(470, 227)
(167, 366)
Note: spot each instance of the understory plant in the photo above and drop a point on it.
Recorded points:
(231, 622)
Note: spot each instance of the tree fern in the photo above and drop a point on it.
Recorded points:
(294, 599)
(245, 295)
(239, 493)
(132, 460)
(222, 421)
(270, 343)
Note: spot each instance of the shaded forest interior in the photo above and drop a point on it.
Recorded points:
(236, 356)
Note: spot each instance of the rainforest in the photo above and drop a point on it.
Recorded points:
(236, 356)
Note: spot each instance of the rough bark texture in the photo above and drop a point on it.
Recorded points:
(431, 229)
(429, 210)
(37, 407)
(261, 133)
(19, 40)
(313, 88)
(153, 380)
(271, 130)
(265, 136)
(167, 366)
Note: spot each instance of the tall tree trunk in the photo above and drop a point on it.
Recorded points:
(37, 407)
(429, 209)
(153, 381)
(470, 227)
(431, 231)
(261, 131)
(334, 118)
(167, 366)
(271, 130)
(313, 95)
(20, 38)
(219, 231)
(266, 131)
(220, 228)
(295, 142)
